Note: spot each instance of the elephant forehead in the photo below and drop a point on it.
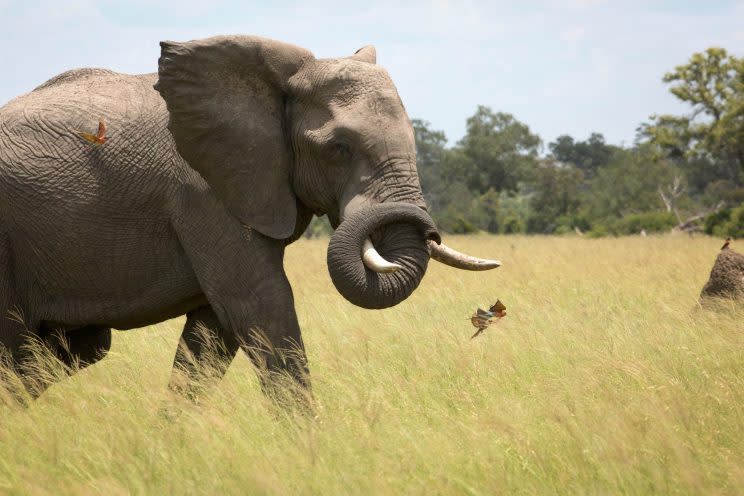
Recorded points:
(350, 79)
(368, 105)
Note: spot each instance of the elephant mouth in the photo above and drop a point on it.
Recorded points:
(398, 234)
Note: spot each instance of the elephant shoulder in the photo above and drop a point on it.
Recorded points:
(74, 75)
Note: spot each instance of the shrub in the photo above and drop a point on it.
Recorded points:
(715, 221)
(598, 231)
(651, 222)
(735, 226)
(318, 227)
(726, 222)
(512, 225)
(461, 225)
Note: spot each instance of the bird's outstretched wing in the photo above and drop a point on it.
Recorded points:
(497, 307)
(101, 131)
(479, 321)
(96, 139)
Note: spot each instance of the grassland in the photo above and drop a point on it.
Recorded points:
(606, 377)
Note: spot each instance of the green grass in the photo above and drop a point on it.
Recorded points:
(606, 377)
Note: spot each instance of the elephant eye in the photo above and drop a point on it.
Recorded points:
(342, 150)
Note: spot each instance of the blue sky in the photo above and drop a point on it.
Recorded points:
(560, 66)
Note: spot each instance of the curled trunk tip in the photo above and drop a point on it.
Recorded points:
(401, 231)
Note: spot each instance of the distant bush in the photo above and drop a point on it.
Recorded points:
(715, 221)
(651, 222)
(512, 225)
(726, 222)
(318, 227)
(491, 212)
(736, 195)
(567, 224)
(598, 231)
(735, 226)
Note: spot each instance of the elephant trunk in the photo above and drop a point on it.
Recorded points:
(399, 233)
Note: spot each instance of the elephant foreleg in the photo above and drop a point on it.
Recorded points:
(267, 330)
(242, 275)
(279, 355)
(204, 352)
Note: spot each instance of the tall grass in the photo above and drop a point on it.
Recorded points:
(606, 377)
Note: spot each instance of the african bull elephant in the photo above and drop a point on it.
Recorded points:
(209, 169)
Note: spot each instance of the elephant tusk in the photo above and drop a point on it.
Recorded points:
(446, 255)
(374, 261)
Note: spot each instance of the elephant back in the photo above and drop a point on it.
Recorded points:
(42, 136)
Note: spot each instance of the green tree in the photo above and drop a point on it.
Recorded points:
(712, 83)
(464, 185)
(430, 153)
(556, 198)
(497, 152)
(442, 181)
(455, 214)
(587, 155)
(629, 184)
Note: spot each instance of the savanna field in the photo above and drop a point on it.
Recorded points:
(606, 377)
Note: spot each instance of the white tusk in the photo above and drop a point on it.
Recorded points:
(446, 255)
(374, 261)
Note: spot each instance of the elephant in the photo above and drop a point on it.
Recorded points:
(208, 170)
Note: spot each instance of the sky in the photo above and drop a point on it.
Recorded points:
(560, 66)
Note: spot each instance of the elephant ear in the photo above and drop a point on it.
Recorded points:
(366, 54)
(225, 96)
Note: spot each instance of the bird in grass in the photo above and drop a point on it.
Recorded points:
(97, 139)
(481, 319)
(726, 243)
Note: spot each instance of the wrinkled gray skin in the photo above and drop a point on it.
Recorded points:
(212, 166)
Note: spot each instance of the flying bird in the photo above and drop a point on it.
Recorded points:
(726, 244)
(481, 319)
(97, 139)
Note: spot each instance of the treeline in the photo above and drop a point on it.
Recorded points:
(683, 172)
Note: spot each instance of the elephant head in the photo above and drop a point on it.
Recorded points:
(279, 134)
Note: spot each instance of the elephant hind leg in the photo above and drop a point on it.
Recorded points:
(77, 348)
(204, 352)
(33, 358)
(12, 319)
(16, 331)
